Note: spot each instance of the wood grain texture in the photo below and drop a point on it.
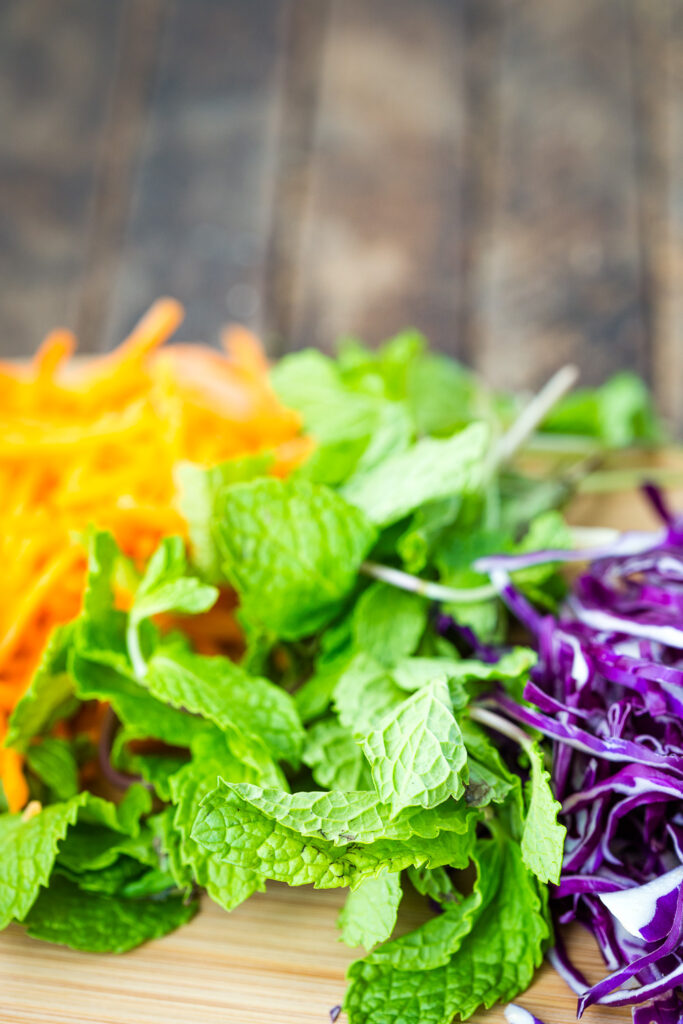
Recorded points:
(658, 48)
(380, 241)
(142, 23)
(274, 960)
(505, 175)
(561, 279)
(56, 68)
(201, 206)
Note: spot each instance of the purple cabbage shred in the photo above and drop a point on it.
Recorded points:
(608, 692)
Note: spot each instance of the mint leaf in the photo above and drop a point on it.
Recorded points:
(542, 837)
(334, 757)
(225, 883)
(110, 880)
(428, 524)
(387, 623)
(493, 962)
(54, 763)
(364, 693)
(490, 779)
(100, 923)
(239, 833)
(369, 914)
(313, 698)
(142, 714)
(199, 489)
(432, 944)
(341, 818)
(103, 556)
(416, 754)
(166, 585)
(27, 854)
(50, 695)
(341, 420)
(224, 693)
(299, 543)
(413, 673)
(436, 883)
(443, 395)
(435, 942)
(430, 469)
(28, 848)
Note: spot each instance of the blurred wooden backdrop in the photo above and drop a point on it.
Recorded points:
(506, 175)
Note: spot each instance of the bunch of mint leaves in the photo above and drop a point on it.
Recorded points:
(341, 751)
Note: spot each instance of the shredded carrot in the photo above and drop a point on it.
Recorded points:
(95, 442)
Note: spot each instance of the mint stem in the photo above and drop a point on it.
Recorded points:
(426, 588)
(501, 725)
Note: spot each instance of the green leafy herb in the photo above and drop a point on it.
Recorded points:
(370, 911)
(300, 543)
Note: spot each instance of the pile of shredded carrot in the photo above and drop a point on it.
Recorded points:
(95, 443)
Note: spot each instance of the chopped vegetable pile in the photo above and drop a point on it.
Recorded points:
(97, 443)
(608, 690)
(288, 661)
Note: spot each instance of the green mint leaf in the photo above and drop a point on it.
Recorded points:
(387, 623)
(225, 883)
(490, 779)
(341, 420)
(436, 883)
(314, 697)
(364, 693)
(620, 413)
(168, 841)
(54, 762)
(50, 695)
(94, 848)
(199, 489)
(103, 556)
(427, 526)
(385, 370)
(392, 434)
(110, 880)
(167, 587)
(429, 470)
(434, 943)
(223, 692)
(416, 754)
(335, 759)
(369, 914)
(413, 673)
(100, 923)
(152, 881)
(155, 769)
(342, 818)
(239, 833)
(299, 543)
(542, 837)
(443, 395)
(27, 854)
(28, 848)
(143, 716)
(493, 962)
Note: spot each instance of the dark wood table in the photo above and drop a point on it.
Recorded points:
(506, 176)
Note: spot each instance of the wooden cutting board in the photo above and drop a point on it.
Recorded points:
(274, 960)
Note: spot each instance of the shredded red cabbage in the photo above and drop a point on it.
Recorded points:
(608, 691)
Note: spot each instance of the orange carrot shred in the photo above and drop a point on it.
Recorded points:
(95, 443)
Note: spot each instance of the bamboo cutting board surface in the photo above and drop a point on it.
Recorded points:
(274, 960)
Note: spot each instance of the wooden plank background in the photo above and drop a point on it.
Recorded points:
(503, 174)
